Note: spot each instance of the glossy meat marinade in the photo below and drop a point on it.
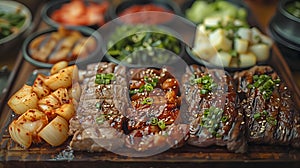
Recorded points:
(213, 109)
(148, 109)
(137, 109)
(270, 113)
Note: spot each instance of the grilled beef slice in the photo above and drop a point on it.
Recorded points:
(161, 90)
(267, 104)
(89, 127)
(108, 118)
(212, 106)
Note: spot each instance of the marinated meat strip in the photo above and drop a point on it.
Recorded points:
(155, 101)
(91, 131)
(296, 131)
(109, 113)
(215, 116)
(270, 114)
(140, 109)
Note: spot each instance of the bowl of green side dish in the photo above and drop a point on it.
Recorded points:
(197, 10)
(284, 28)
(144, 45)
(15, 18)
(224, 38)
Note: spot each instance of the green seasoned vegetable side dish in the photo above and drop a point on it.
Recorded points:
(202, 9)
(10, 22)
(294, 8)
(141, 44)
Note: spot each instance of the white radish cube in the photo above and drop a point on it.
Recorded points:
(255, 36)
(241, 45)
(204, 51)
(262, 51)
(221, 59)
(212, 21)
(202, 47)
(238, 22)
(247, 59)
(244, 33)
(219, 40)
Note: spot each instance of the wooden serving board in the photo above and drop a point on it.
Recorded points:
(12, 155)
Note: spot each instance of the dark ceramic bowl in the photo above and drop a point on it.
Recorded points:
(85, 31)
(115, 11)
(188, 4)
(200, 61)
(284, 28)
(11, 40)
(54, 5)
(146, 60)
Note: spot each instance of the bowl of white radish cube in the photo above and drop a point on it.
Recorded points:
(229, 43)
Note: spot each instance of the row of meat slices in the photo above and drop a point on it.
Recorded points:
(212, 108)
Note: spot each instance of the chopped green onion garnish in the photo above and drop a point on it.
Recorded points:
(98, 81)
(255, 77)
(256, 116)
(268, 84)
(148, 87)
(147, 101)
(155, 80)
(203, 91)
(100, 120)
(206, 83)
(202, 123)
(146, 78)
(277, 81)
(271, 121)
(265, 113)
(104, 78)
(141, 89)
(218, 135)
(149, 84)
(98, 76)
(161, 124)
(107, 81)
(258, 82)
(265, 84)
(224, 118)
(132, 92)
(98, 105)
(212, 118)
(206, 112)
(250, 86)
(153, 121)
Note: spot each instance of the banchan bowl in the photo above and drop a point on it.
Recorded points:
(55, 5)
(284, 28)
(145, 14)
(145, 57)
(85, 31)
(15, 7)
